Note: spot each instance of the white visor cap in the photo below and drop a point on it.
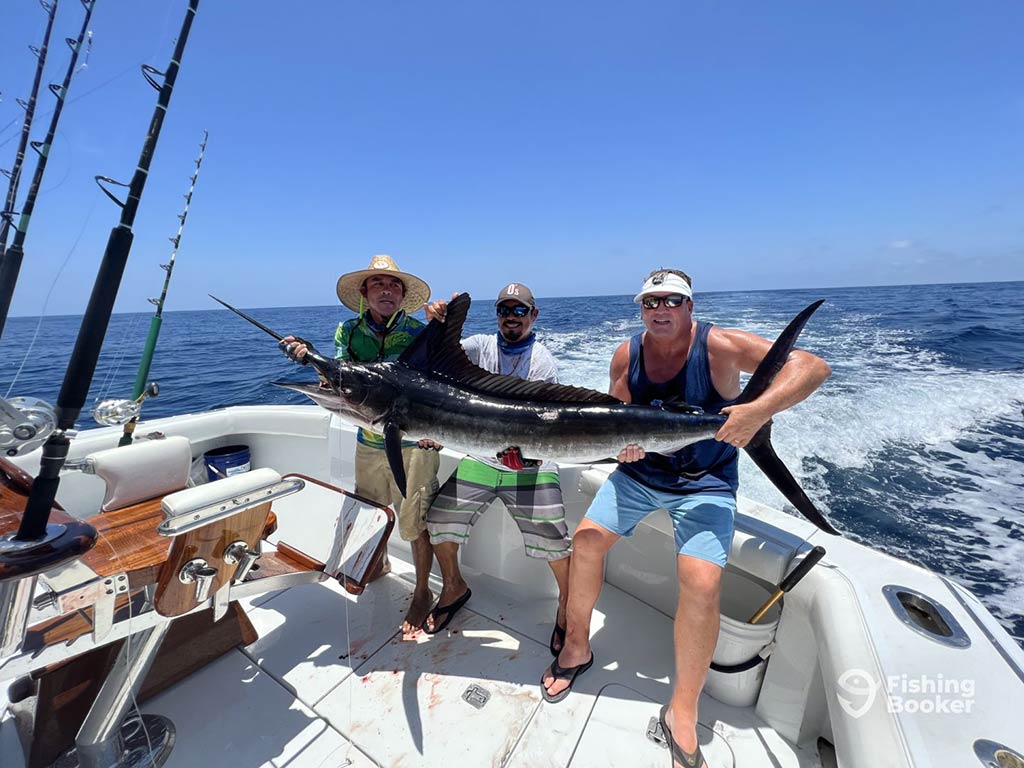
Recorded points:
(664, 282)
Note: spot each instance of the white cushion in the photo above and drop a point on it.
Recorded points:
(234, 490)
(142, 470)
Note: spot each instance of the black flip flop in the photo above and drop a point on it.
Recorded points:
(564, 673)
(558, 633)
(448, 611)
(680, 755)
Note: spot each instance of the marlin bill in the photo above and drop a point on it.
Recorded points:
(434, 391)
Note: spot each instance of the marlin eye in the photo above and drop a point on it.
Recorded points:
(346, 390)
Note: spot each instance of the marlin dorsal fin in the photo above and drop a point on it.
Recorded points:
(437, 349)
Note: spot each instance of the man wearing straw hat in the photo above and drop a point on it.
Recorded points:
(383, 297)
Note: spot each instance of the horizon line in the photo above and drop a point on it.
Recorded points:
(588, 296)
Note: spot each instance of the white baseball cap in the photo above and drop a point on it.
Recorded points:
(665, 281)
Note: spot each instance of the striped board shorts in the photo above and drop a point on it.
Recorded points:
(532, 496)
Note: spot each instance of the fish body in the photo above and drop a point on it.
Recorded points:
(434, 391)
(427, 405)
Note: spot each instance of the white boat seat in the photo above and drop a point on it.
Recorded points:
(89, 598)
(215, 528)
(140, 471)
(237, 489)
(634, 565)
(154, 563)
(181, 558)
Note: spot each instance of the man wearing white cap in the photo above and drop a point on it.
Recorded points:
(383, 297)
(677, 358)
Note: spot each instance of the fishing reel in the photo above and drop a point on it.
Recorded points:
(113, 413)
(25, 423)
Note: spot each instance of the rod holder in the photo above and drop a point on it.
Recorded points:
(239, 552)
(200, 572)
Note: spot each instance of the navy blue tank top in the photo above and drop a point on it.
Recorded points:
(705, 467)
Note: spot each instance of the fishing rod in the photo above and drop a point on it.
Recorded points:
(140, 390)
(11, 265)
(14, 174)
(82, 366)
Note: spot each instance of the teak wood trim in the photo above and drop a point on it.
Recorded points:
(71, 626)
(129, 543)
(14, 477)
(299, 557)
(173, 597)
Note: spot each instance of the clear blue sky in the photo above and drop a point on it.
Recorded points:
(573, 146)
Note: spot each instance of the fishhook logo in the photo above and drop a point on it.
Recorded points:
(861, 689)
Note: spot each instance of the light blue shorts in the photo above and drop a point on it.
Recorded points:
(703, 522)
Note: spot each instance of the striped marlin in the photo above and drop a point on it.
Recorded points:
(434, 391)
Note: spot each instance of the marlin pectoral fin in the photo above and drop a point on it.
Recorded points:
(763, 454)
(393, 449)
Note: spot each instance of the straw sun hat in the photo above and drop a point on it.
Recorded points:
(417, 292)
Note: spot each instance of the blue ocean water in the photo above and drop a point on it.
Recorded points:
(914, 446)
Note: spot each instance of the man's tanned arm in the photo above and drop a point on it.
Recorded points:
(733, 351)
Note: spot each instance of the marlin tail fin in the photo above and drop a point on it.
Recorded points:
(760, 448)
(763, 455)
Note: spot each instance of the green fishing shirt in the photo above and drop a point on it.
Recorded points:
(364, 341)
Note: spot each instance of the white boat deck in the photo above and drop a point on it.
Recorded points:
(303, 696)
(331, 682)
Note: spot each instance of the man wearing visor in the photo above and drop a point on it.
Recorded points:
(677, 358)
(528, 486)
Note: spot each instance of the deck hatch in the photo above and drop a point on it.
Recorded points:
(655, 733)
(412, 703)
(925, 616)
(477, 696)
(612, 736)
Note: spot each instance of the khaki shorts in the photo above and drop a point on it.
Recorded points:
(375, 482)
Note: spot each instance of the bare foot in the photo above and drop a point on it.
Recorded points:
(418, 611)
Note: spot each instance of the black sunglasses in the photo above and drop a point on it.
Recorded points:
(519, 310)
(671, 301)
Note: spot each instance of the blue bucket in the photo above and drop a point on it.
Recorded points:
(227, 461)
